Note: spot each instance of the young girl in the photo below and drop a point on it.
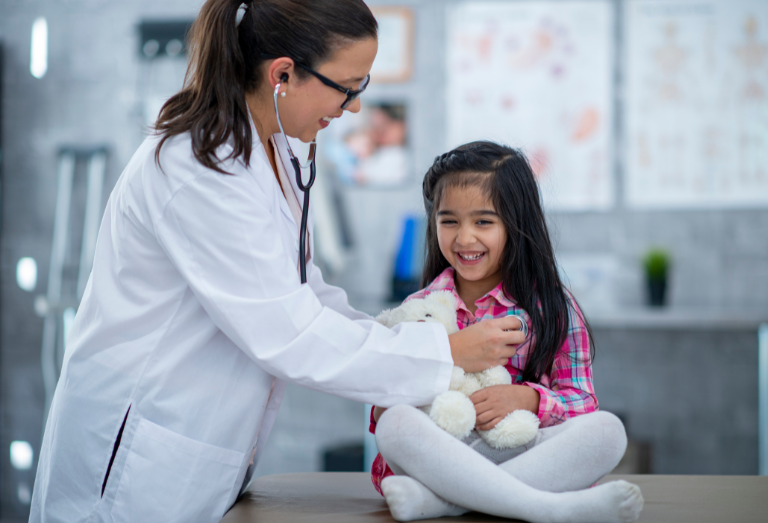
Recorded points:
(487, 243)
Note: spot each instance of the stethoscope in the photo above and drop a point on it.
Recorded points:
(297, 167)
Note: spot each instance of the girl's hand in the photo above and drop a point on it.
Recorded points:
(486, 344)
(492, 404)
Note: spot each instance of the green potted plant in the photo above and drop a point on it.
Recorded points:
(656, 263)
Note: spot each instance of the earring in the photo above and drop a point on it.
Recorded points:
(282, 95)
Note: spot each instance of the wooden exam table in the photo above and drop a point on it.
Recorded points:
(349, 497)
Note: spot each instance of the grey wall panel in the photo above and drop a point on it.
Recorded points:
(691, 394)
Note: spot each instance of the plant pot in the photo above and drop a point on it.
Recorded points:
(657, 292)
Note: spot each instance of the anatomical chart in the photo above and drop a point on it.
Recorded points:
(538, 76)
(696, 103)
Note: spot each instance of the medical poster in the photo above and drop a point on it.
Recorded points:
(696, 103)
(394, 60)
(538, 76)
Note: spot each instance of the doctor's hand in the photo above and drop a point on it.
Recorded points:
(486, 344)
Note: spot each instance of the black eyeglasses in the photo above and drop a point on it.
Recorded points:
(352, 94)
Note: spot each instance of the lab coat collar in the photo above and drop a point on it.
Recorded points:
(285, 158)
(282, 148)
(258, 148)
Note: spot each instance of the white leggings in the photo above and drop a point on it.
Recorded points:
(566, 457)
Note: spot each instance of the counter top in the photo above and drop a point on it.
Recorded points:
(677, 319)
(349, 497)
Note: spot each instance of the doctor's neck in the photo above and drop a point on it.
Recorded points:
(262, 111)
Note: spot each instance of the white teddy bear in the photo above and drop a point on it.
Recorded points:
(453, 411)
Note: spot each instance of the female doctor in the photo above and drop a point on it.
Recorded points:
(195, 315)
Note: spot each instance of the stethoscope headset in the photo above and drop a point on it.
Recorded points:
(351, 96)
(297, 167)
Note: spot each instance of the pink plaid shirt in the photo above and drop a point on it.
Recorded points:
(566, 391)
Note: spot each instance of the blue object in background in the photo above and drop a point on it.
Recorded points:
(410, 258)
(404, 261)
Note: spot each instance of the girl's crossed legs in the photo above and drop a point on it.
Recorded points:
(433, 467)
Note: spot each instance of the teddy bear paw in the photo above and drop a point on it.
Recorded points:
(453, 412)
(517, 428)
(494, 376)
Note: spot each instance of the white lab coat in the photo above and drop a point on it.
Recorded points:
(193, 319)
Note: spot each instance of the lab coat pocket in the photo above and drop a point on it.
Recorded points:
(171, 478)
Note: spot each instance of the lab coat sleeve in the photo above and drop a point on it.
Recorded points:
(219, 232)
(332, 296)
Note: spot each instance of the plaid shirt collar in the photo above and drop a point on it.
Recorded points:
(445, 282)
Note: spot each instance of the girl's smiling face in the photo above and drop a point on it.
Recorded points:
(471, 236)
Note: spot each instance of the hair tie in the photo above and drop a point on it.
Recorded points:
(241, 12)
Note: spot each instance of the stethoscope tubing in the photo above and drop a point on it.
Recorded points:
(303, 187)
(304, 215)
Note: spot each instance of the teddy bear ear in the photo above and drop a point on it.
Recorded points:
(385, 318)
(444, 297)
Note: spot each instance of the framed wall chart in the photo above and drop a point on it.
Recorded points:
(696, 103)
(538, 76)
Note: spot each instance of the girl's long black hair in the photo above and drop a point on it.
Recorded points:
(529, 268)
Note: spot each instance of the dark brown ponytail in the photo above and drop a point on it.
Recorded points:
(225, 58)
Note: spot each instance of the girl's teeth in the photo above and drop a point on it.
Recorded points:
(327, 119)
(470, 258)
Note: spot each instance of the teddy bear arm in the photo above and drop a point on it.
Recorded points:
(517, 428)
